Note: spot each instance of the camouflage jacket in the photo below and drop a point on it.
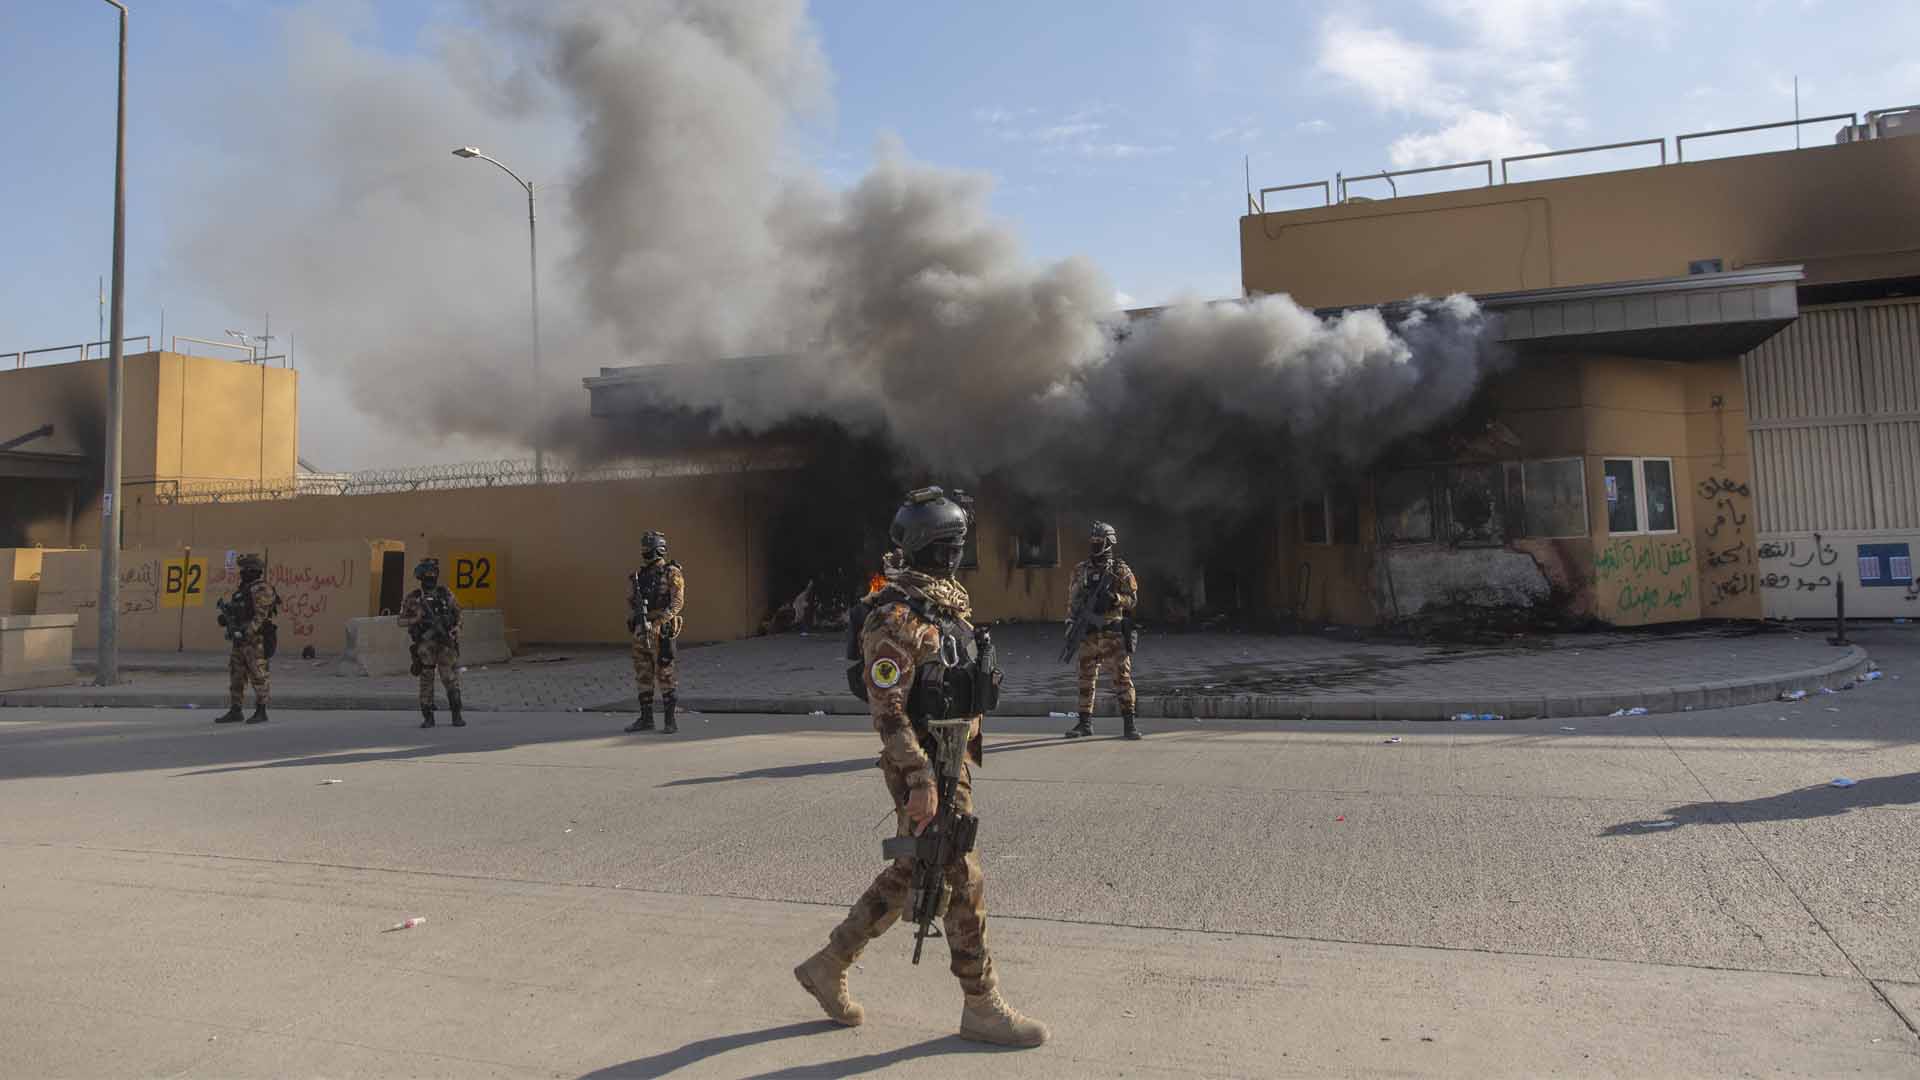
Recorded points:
(894, 643)
(412, 613)
(1126, 587)
(263, 604)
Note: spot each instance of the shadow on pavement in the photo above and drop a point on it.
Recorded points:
(1798, 805)
(702, 1049)
(833, 768)
(866, 1063)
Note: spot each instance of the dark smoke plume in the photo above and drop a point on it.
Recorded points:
(898, 308)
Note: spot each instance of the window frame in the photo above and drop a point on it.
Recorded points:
(1049, 527)
(1642, 519)
(1586, 506)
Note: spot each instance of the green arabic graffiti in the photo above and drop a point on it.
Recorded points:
(1627, 556)
(1644, 600)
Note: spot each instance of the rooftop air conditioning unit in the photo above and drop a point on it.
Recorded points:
(1882, 124)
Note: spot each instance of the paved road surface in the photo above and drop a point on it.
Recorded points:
(1678, 895)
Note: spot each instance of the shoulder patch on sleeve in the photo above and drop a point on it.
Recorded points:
(885, 673)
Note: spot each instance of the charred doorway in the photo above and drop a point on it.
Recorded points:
(827, 529)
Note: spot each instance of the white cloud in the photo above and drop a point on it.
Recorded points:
(1313, 127)
(1472, 136)
(1506, 79)
(1124, 300)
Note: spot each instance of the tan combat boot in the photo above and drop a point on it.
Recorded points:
(989, 1019)
(824, 975)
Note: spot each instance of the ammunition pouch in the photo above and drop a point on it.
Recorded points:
(269, 639)
(926, 847)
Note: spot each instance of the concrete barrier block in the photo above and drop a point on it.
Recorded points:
(379, 646)
(36, 650)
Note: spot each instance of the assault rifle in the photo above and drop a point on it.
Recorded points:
(946, 839)
(639, 618)
(431, 624)
(236, 612)
(1090, 615)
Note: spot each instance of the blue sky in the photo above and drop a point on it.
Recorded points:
(1113, 130)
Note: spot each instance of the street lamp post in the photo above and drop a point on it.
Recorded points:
(533, 276)
(107, 670)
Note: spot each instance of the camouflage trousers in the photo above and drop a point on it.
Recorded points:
(1106, 649)
(443, 660)
(248, 664)
(886, 899)
(649, 671)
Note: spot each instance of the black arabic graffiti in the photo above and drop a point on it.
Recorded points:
(1825, 554)
(1737, 554)
(1774, 549)
(1720, 484)
(1805, 585)
(1730, 587)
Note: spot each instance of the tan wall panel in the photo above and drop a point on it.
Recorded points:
(571, 545)
(1890, 356)
(322, 584)
(1842, 211)
(1809, 369)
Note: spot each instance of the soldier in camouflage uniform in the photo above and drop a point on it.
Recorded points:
(248, 618)
(1109, 646)
(896, 639)
(656, 593)
(431, 616)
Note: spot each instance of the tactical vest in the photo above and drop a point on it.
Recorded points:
(654, 586)
(962, 681)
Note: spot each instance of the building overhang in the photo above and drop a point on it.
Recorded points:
(29, 465)
(1679, 318)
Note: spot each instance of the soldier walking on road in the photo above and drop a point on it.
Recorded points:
(431, 617)
(1105, 590)
(656, 593)
(247, 616)
(917, 630)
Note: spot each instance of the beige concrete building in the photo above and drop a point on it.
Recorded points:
(1713, 411)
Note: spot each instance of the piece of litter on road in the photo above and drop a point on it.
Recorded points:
(1659, 824)
(1831, 708)
(1058, 716)
(406, 924)
(1826, 690)
(1637, 710)
(1842, 781)
(1869, 676)
(818, 712)
(1395, 739)
(1569, 729)
(1476, 716)
(1342, 817)
(1793, 695)
(324, 783)
(566, 830)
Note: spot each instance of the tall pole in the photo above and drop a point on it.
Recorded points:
(107, 672)
(539, 399)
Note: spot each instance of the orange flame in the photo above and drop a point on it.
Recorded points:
(876, 583)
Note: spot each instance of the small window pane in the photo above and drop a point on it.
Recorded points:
(1659, 496)
(1474, 504)
(1313, 521)
(1557, 497)
(1404, 501)
(1038, 544)
(1623, 504)
(1345, 511)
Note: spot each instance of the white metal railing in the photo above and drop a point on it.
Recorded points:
(1257, 203)
(85, 347)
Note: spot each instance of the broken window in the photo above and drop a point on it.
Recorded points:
(1554, 494)
(1313, 520)
(1640, 495)
(1343, 512)
(1403, 503)
(1476, 496)
(970, 549)
(1037, 543)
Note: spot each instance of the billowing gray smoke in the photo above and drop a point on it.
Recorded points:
(693, 234)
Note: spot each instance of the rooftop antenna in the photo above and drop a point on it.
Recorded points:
(1246, 164)
(102, 335)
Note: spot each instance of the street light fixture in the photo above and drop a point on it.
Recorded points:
(533, 276)
(107, 665)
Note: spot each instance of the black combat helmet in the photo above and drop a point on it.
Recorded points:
(931, 530)
(1101, 540)
(653, 545)
(427, 572)
(251, 567)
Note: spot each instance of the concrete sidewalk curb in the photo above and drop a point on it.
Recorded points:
(1664, 699)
